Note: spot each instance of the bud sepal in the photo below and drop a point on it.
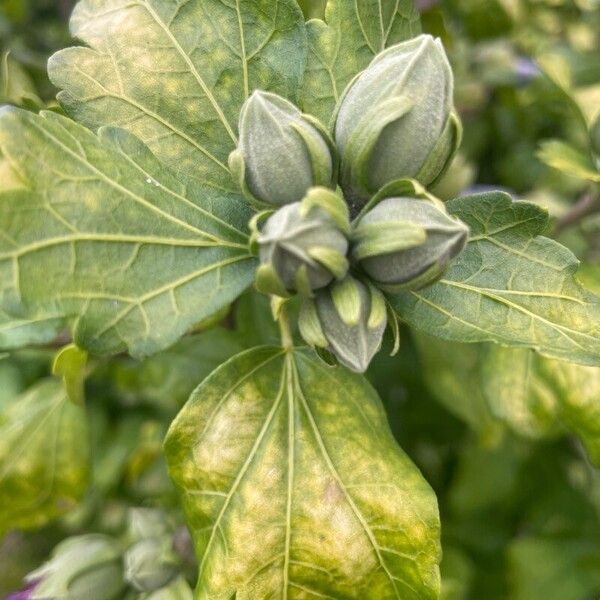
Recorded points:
(347, 319)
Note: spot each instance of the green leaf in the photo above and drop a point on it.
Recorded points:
(44, 456)
(510, 285)
(554, 568)
(176, 73)
(105, 234)
(294, 487)
(167, 379)
(564, 157)
(254, 320)
(70, 363)
(457, 574)
(16, 86)
(17, 333)
(452, 373)
(518, 392)
(538, 396)
(346, 42)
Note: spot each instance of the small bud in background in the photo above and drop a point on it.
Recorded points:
(348, 319)
(178, 589)
(281, 152)
(303, 245)
(150, 563)
(81, 568)
(150, 560)
(407, 243)
(395, 119)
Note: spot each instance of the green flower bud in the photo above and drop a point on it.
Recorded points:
(348, 319)
(303, 246)
(80, 568)
(281, 152)
(407, 242)
(146, 523)
(150, 564)
(178, 589)
(395, 119)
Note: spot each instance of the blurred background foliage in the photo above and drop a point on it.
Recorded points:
(509, 441)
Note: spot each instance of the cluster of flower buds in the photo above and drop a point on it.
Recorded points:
(86, 566)
(394, 125)
(105, 568)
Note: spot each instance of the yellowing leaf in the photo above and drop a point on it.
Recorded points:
(176, 73)
(537, 396)
(294, 487)
(44, 456)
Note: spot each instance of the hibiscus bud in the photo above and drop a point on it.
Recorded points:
(348, 319)
(395, 120)
(178, 589)
(281, 152)
(303, 246)
(407, 242)
(80, 568)
(150, 563)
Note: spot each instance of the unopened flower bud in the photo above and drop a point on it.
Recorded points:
(407, 242)
(348, 319)
(395, 120)
(303, 245)
(281, 152)
(178, 589)
(150, 564)
(83, 567)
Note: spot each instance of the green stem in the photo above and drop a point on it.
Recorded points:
(287, 341)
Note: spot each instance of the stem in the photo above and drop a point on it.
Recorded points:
(287, 341)
(588, 204)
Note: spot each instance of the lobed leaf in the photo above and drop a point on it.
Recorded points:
(44, 456)
(294, 487)
(105, 235)
(175, 73)
(510, 285)
(346, 42)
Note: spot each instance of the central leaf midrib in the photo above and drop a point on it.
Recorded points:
(329, 463)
